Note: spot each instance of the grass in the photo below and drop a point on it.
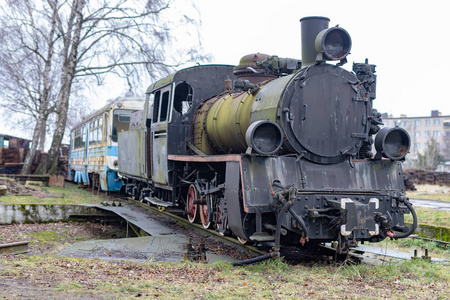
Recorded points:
(430, 192)
(71, 194)
(61, 277)
(431, 216)
(272, 279)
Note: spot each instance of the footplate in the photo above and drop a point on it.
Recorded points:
(359, 216)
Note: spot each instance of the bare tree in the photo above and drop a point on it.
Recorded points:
(69, 40)
(26, 57)
(430, 158)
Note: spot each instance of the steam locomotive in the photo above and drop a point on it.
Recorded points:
(274, 150)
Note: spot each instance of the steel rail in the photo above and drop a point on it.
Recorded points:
(250, 250)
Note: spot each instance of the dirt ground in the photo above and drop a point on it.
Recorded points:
(46, 240)
(40, 274)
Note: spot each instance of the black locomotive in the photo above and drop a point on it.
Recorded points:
(274, 150)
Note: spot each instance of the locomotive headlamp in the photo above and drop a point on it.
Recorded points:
(264, 137)
(392, 143)
(333, 44)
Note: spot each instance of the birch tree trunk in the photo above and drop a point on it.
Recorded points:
(71, 43)
(44, 100)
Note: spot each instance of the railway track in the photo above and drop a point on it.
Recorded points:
(440, 244)
(326, 253)
(248, 249)
(362, 253)
(371, 255)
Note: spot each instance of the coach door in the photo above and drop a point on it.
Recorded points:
(160, 120)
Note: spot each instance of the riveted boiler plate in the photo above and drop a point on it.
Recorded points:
(322, 114)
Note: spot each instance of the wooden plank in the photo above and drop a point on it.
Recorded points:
(14, 248)
(56, 181)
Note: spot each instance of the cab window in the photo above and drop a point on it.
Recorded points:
(161, 103)
(156, 106)
(164, 106)
(182, 100)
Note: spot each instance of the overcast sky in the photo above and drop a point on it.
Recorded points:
(407, 42)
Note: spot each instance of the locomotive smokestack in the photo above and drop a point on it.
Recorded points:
(310, 27)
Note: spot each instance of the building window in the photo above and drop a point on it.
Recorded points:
(405, 123)
(427, 122)
(436, 122)
(436, 133)
(417, 133)
(446, 125)
(416, 145)
(427, 133)
(416, 122)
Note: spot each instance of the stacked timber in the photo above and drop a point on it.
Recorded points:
(13, 157)
(11, 160)
(427, 177)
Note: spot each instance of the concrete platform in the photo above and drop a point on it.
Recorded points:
(139, 217)
(148, 248)
(162, 244)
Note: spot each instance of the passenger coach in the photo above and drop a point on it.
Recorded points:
(93, 144)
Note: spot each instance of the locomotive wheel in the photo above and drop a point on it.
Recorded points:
(191, 208)
(205, 217)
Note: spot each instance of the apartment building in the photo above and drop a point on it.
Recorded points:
(422, 130)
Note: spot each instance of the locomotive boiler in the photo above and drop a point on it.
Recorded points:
(275, 150)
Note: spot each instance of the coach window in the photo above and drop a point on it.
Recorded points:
(95, 132)
(182, 100)
(91, 133)
(121, 122)
(79, 138)
(100, 129)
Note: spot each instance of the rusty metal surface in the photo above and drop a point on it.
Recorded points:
(360, 177)
(212, 158)
(266, 105)
(328, 124)
(131, 153)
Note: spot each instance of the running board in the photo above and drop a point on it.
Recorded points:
(157, 202)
